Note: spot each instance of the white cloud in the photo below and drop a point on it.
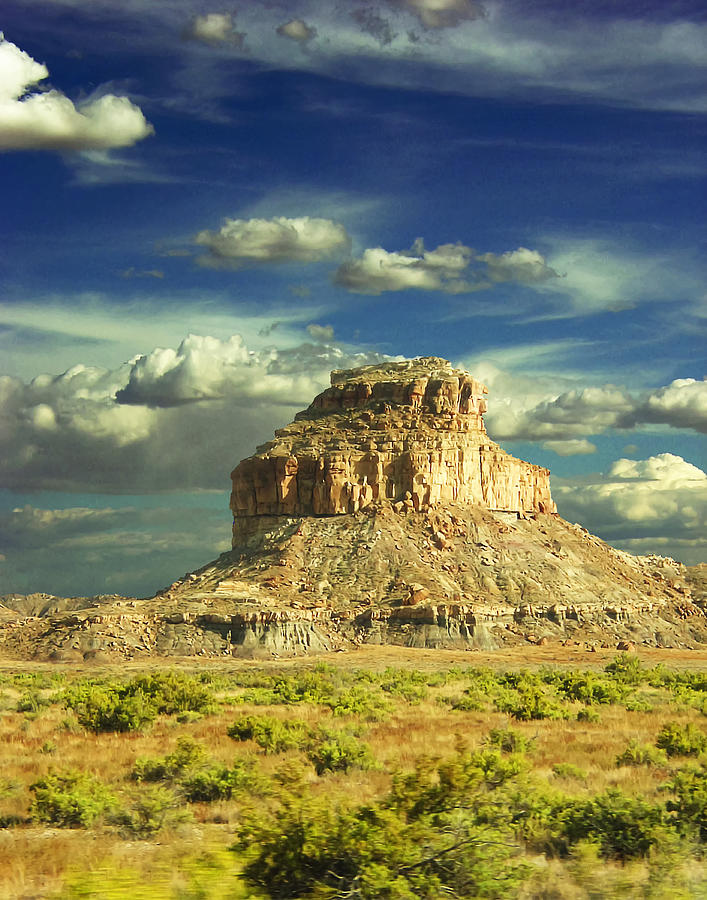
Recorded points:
(215, 28)
(521, 265)
(442, 13)
(572, 447)
(597, 275)
(594, 52)
(167, 420)
(572, 414)
(247, 241)
(320, 332)
(546, 407)
(48, 120)
(663, 497)
(377, 270)
(297, 30)
(451, 268)
(682, 404)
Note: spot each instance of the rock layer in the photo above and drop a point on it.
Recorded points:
(410, 433)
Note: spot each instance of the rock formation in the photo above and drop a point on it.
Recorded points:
(410, 432)
(384, 514)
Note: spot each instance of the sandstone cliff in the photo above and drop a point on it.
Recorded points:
(410, 432)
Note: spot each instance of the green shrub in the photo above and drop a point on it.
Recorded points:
(172, 692)
(197, 779)
(409, 685)
(689, 805)
(626, 668)
(588, 714)
(151, 810)
(588, 687)
(220, 782)
(681, 740)
(69, 800)
(131, 705)
(273, 735)
(569, 770)
(339, 752)
(624, 827)
(431, 837)
(637, 754)
(359, 701)
(529, 702)
(187, 755)
(108, 708)
(507, 740)
(471, 700)
(32, 702)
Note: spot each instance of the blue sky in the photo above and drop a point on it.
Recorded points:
(207, 208)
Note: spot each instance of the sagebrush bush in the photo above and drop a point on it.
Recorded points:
(358, 701)
(187, 755)
(624, 827)
(637, 754)
(689, 803)
(587, 687)
(110, 708)
(131, 705)
(149, 811)
(569, 770)
(339, 752)
(681, 740)
(507, 740)
(273, 735)
(529, 702)
(430, 837)
(69, 800)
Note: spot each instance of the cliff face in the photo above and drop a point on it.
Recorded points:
(410, 433)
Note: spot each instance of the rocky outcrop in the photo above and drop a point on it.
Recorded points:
(383, 514)
(410, 433)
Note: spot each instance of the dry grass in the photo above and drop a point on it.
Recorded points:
(35, 861)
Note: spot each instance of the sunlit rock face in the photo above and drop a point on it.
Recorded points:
(408, 433)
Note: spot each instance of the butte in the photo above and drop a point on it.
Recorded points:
(384, 514)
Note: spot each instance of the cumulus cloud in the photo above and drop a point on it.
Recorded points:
(682, 404)
(521, 265)
(451, 268)
(539, 409)
(320, 332)
(242, 242)
(215, 28)
(659, 504)
(32, 119)
(569, 416)
(297, 30)
(442, 13)
(167, 420)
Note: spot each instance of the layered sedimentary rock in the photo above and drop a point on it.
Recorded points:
(409, 432)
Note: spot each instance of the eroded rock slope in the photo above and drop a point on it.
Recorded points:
(384, 514)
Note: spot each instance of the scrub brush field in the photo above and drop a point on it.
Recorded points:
(404, 777)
